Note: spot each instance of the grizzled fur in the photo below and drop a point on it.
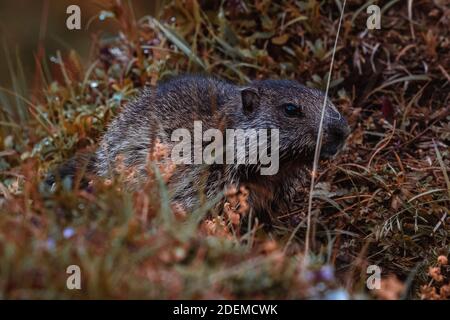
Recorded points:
(179, 102)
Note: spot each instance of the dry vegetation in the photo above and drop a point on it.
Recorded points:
(383, 201)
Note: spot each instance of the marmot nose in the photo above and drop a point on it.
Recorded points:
(335, 135)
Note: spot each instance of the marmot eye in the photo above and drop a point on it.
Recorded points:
(292, 110)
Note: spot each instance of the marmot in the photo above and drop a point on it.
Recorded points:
(285, 105)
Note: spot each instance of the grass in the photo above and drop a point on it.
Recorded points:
(383, 201)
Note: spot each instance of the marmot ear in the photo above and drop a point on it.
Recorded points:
(250, 99)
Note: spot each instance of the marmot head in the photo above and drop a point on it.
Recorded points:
(295, 110)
